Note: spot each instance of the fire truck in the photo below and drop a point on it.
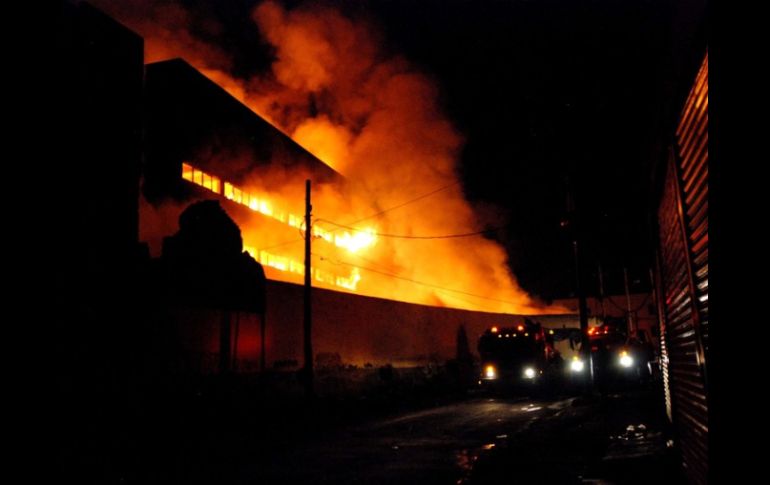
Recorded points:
(517, 357)
(616, 358)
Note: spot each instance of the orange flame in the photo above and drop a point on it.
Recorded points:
(261, 203)
(376, 119)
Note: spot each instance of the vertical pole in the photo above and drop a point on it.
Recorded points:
(654, 288)
(601, 293)
(262, 342)
(308, 374)
(224, 343)
(585, 344)
(583, 313)
(234, 364)
(700, 354)
(628, 304)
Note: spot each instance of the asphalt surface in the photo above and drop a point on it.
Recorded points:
(225, 435)
(433, 446)
(614, 438)
(603, 439)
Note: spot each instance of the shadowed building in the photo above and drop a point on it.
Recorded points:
(204, 144)
(199, 143)
(205, 275)
(97, 175)
(191, 119)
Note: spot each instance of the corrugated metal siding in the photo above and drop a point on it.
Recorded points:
(692, 141)
(683, 268)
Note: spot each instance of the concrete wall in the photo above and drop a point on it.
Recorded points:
(370, 330)
(362, 330)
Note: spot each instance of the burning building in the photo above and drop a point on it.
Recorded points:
(375, 300)
(369, 114)
(204, 144)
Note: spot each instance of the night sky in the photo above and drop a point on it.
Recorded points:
(552, 96)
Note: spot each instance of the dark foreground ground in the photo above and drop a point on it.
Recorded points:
(229, 431)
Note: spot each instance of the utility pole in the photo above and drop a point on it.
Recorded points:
(308, 370)
(585, 346)
(225, 343)
(654, 292)
(601, 293)
(583, 314)
(628, 304)
(234, 364)
(262, 342)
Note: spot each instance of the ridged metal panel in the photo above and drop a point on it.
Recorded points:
(692, 141)
(684, 284)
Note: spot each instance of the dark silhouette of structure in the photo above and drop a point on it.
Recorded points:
(104, 368)
(204, 266)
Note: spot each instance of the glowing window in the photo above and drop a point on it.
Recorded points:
(187, 172)
(228, 190)
(207, 181)
(197, 177)
(215, 185)
(265, 208)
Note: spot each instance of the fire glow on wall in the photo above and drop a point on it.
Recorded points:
(350, 242)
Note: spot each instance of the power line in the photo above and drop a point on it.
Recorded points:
(301, 235)
(324, 258)
(404, 236)
(445, 236)
(397, 206)
(464, 300)
(373, 215)
(407, 202)
(281, 244)
(356, 255)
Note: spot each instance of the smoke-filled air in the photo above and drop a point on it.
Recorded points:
(375, 118)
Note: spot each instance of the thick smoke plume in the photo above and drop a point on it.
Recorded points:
(373, 117)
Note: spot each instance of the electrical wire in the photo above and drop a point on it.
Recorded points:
(339, 262)
(281, 244)
(355, 255)
(406, 203)
(373, 215)
(404, 236)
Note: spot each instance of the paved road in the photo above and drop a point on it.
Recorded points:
(223, 440)
(434, 446)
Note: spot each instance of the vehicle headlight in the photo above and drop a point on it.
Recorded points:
(577, 365)
(490, 372)
(529, 373)
(626, 360)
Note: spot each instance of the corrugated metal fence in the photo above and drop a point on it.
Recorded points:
(683, 280)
